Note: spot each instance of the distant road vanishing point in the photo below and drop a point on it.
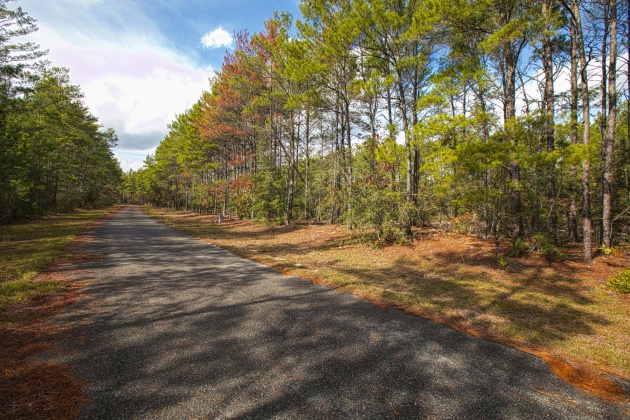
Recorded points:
(171, 327)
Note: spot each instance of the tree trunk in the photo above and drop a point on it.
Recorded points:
(307, 165)
(288, 213)
(510, 60)
(604, 70)
(408, 152)
(486, 173)
(416, 152)
(573, 189)
(608, 141)
(549, 118)
(586, 129)
(348, 131)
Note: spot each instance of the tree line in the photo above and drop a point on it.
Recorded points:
(500, 118)
(54, 155)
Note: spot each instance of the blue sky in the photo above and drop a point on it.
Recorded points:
(140, 62)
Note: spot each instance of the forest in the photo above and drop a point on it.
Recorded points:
(54, 154)
(505, 119)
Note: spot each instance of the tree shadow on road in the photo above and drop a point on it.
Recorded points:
(175, 328)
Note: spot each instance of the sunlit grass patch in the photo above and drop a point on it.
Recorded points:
(23, 290)
(26, 248)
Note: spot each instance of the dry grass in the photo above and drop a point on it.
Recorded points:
(557, 310)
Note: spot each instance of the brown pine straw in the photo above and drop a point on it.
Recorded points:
(579, 376)
(35, 389)
(31, 389)
(39, 390)
(576, 375)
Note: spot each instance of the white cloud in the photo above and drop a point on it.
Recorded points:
(133, 160)
(131, 85)
(132, 81)
(137, 103)
(217, 38)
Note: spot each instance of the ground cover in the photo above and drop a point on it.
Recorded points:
(36, 262)
(26, 248)
(561, 311)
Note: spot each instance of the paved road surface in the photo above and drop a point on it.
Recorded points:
(172, 327)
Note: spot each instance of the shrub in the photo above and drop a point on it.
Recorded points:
(620, 282)
(385, 234)
(604, 250)
(502, 260)
(463, 225)
(553, 253)
(518, 247)
(614, 251)
(548, 248)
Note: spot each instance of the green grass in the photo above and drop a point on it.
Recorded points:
(19, 291)
(26, 248)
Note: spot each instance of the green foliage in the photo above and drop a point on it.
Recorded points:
(54, 156)
(502, 261)
(59, 157)
(26, 248)
(268, 196)
(16, 58)
(620, 282)
(544, 244)
(387, 116)
(519, 247)
(463, 225)
(380, 209)
(381, 212)
(553, 253)
(604, 250)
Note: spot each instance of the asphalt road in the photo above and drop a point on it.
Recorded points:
(171, 327)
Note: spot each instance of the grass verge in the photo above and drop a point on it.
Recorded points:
(29, 387)
(558, 310)
(26, 248)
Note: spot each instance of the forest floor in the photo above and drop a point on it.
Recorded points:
(35, 259)
(559, 311)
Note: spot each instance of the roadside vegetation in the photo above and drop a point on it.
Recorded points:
(561, 310)
(27, 248)
(54, 155)
(468, 162)
(55, 158)
(508, 120)
(32, 288)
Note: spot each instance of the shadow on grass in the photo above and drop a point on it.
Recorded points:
(203, 226)
(30, 246)
(177, 328)
(539, 306)
(537, 302)
(206, 226)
